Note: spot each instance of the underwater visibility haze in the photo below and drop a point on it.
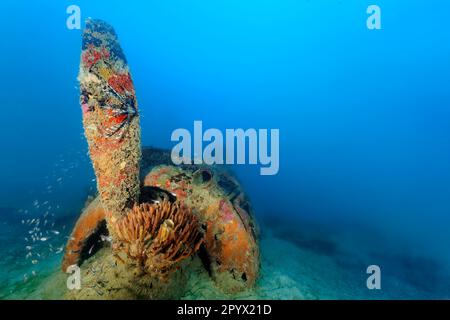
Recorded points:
(364, 149)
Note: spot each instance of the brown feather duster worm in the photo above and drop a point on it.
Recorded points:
(156, 237)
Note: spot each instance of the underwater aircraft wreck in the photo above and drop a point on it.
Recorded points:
(151, 219)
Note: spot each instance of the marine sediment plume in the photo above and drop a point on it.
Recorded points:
(155, 237)
(110, 118)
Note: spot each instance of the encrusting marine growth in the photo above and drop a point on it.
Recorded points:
(110, 118)
(140, 237)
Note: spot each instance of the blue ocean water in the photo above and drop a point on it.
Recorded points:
(364, 120)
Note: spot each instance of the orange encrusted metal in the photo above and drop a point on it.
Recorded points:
(88, 223)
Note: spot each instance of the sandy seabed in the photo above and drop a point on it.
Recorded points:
(289, 270)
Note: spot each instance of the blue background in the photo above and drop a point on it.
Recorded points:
(364, 116)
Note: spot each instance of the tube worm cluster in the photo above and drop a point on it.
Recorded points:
(157, 237)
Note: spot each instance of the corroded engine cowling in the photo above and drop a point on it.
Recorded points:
(231, 237)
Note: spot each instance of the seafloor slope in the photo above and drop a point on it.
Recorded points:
(299, 260)
(288, 271)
